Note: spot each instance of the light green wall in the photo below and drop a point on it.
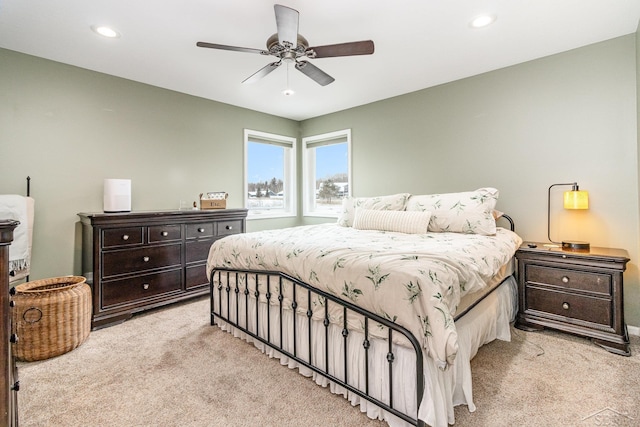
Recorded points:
(564, 118)
(69, 128)
(568, 117)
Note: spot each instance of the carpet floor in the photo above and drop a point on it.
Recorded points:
(169, 367)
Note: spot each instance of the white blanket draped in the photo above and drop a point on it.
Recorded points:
(19, 208)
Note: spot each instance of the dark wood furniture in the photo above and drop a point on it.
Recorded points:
(141, 260)
(9, 379)
(576, 292)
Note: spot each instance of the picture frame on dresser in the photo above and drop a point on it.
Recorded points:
(137, 261)
(579, 292)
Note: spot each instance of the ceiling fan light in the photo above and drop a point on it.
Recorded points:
(105, 31)
(481, 21)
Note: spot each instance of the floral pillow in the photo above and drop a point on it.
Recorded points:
(415, 222)
(468, 212)
(395, 202)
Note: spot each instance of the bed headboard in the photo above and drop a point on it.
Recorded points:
(512, 226)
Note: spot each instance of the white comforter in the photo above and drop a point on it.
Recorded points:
(416, 280)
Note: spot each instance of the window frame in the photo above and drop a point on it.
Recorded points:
(309, 169)
(289, 174)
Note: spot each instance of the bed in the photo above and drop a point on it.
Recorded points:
(386, 307)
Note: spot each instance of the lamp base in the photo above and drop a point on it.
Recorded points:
(575, 246)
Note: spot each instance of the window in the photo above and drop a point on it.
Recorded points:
(270, 170)
(327, 172)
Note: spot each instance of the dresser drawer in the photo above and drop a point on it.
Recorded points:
(140, 259)
(226, 228)
(204, 229)
(165, 233)
(198, 250)
(124, 291)
(574, 306)
(196, 276)
(569, 279)
(122, 237)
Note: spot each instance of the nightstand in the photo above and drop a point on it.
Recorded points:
(575, 292)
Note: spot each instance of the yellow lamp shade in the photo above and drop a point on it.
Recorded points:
(576, 199)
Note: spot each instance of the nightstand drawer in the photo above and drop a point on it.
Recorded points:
(140, 259)
(569, 279)
(140, 287)
(580, 307)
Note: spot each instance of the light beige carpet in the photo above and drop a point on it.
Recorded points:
(171, 368)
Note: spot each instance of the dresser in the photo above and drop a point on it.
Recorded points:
(576, 292)
(9, 378)
(136, 261)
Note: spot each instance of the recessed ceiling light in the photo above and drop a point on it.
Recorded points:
(482, 21)
(105, 31)
(288, 92)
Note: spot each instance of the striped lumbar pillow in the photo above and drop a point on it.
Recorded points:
(414, 222)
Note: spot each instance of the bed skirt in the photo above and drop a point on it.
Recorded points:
(488, 320)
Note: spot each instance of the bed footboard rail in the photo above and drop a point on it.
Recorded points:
(230, 294)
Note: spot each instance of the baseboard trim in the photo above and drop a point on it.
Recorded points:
(633, 330)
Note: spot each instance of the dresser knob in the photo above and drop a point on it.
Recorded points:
(145, 259)
(164, 233)
(200, 230)
(12, 303)
(125, 237)
(145, 286)
(229, 227)
(13, 339)
(565, 279)
(565, 305)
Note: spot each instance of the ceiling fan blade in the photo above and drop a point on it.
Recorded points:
(233, 48)
(287, 23)
(315, 73)
(364, 47)
(262, 72)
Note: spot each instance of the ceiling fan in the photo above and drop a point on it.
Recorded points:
(289, 46)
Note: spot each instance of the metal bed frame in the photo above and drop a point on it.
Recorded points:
(224, 290)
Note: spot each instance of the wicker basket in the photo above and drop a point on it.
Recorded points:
(51, 317)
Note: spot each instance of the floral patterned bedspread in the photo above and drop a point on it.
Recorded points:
(416, 280)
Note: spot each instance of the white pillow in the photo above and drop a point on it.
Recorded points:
(468, 212)
(395, 202)
(416, 222)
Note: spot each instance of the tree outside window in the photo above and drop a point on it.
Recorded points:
(327, 172)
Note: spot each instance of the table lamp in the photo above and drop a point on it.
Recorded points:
(574, 199)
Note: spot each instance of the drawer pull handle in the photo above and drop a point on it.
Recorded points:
(164, 233)
(145, 259)
(229, 227)
(125, 237)
(200, 230)
(565, 279)
(145, 286)
(565, 305)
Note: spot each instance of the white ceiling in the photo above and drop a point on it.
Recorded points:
(418, 43)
